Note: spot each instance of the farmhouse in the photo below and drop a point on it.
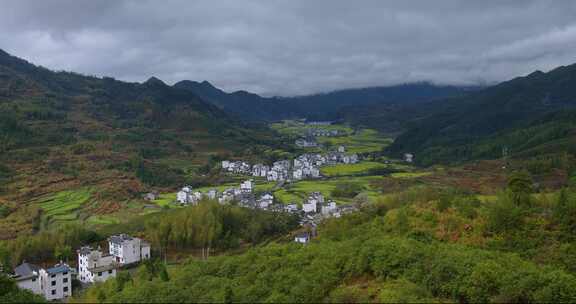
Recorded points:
(185, 196)
(94, 266)
(127, 249)
(27, 276)
(151, 196)
(265, 201)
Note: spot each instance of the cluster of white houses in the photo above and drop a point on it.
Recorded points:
(324, 132)
(303, 167)
(55, 283)
(314, 205)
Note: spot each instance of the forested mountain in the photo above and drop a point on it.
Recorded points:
(243, 104)
(61, 130)
(324, 106)
(530, 113)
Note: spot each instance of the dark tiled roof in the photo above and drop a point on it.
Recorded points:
(119, 239)
(58, 269)
(85, 250)
(26, 270)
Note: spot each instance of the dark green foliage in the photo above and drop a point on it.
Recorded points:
(526, 116)
(4, 211)
(122, 278)
(82, 148)
(347, 190)
(564, 213)
(150, 270)
(504, 215)
(152, 153)
(519, 188)
(48, 245)
(210, 225)
(406, 270)
(158, 174)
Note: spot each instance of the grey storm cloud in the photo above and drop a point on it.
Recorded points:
(293, 47)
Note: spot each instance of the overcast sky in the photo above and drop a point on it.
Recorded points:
(293, 47)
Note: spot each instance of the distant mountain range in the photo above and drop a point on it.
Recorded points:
(530, 115)
(325, 106)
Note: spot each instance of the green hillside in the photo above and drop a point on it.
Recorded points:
(62, 131)
(520, 115)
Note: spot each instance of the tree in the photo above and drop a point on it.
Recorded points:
(504, 215)
(519, 187)
(5, 259)
(122, 278)
(564, 212)
(63, 252)
(361, 200)
(160, 231)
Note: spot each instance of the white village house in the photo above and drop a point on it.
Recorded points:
(94, 266)
(265, 201)
(186, 196)
(128, 250)
(310, 206)
(329, 208)
(54, 283)
(246, 186)
(27, 276)
(302, 238)
(409, 157)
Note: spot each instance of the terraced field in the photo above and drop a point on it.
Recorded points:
(64, 206)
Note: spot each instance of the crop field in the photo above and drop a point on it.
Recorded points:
(64, 206)
(350, 169)
(101, 220)
(299, 190)
(363, 141)
(294, 128)
(410, 174)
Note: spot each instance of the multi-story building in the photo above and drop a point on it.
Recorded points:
(127, 249)
(94, 266)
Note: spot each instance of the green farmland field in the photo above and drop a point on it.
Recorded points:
(64, 206)
(350, 169)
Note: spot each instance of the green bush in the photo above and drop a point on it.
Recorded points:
(347, 190)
